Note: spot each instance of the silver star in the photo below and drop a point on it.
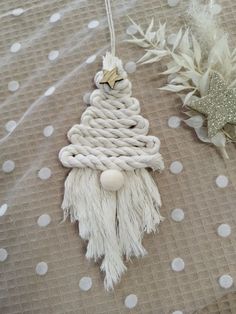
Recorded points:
(219, 105)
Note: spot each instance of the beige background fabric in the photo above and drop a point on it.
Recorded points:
(195, 240)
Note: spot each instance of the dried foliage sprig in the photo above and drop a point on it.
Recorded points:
(191, 57)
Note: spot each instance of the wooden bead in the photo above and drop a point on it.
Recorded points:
(112, 180)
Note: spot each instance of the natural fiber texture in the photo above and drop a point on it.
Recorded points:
(112, 223)
(158, 288)
(112, 135)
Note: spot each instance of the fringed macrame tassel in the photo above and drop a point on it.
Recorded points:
(113, 223)
(138, 205)
(94, 208)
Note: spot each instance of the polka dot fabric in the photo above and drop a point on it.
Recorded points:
(50, 52)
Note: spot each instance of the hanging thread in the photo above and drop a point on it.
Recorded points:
(111, 26)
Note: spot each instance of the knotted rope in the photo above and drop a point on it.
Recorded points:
(112, 134)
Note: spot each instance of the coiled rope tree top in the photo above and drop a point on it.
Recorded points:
(112, 134)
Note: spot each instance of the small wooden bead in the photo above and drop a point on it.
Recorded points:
(112, 180)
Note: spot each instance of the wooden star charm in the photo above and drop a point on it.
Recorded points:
(219, 105)
(111, 77)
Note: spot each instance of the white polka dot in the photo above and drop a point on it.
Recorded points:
(173, 3)
(50, 91)
(85, 283)
(55, 17)
(15, 47)
(177, 264)
(177, 214)
(53, 55)
(10, 125)
(171, 39)
(8, 166)
(176, 167)
(131, 301)
(222, 181)
(177, 312)
(216, 8)
(174, 122)
(131, 30)
(130, 67)
(224, 230)
(48, 131)
(17, 12)
(41, 268)
(226, 281)
(13, 86)
(93, 24)
(86, 98)
(3, 209)
(3, 255)
(44, 220)
(91, 59)
(44, 173)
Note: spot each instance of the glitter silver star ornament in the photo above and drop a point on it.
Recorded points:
(219, 106)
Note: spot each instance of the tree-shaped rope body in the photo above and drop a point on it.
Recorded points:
(109, 191)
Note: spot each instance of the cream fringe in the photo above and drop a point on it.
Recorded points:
(113, 223)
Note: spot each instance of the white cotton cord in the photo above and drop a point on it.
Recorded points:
(111, 26)
(112, 134)
(113, 224)
(138, 206)
(96, 214)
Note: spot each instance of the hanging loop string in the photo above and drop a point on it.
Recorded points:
(111, 26)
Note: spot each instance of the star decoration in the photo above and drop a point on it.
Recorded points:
(219, 105)
(110, 77)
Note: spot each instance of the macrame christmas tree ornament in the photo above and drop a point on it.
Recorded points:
(109, 191)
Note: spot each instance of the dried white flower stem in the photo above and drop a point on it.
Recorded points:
(191, 58)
